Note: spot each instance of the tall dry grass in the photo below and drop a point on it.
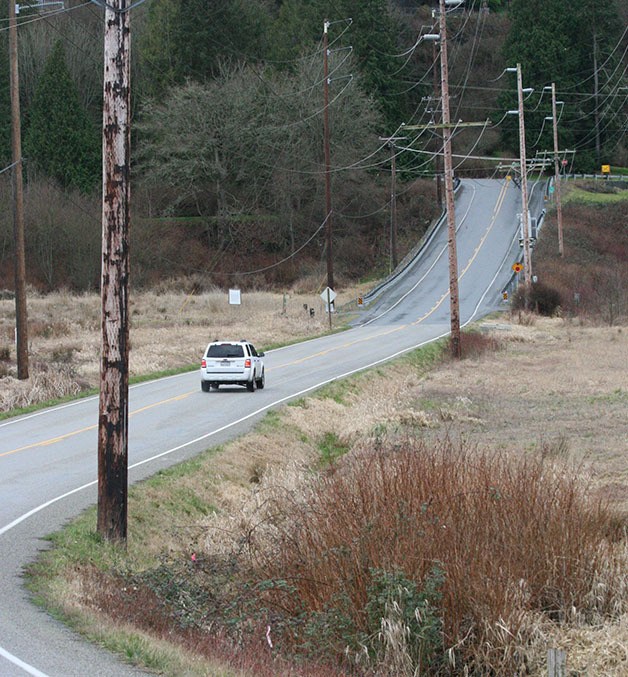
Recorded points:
(483, 546)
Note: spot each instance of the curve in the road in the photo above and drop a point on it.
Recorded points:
(418, 295)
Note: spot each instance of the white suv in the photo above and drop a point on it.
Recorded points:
(232, 363)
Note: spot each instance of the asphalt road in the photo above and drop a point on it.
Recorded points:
(48, 460)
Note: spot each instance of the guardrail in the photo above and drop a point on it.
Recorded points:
(412, 255)
(596, 177)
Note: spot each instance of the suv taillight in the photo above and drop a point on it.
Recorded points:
(203, 363)
(247, 363)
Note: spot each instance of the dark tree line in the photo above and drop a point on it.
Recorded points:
(227, 110)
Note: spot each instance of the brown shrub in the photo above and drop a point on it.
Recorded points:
(513, 537)
(591, 277)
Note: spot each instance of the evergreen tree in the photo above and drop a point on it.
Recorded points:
(61, 140)
(187, 39)
(558, 42)
(374, 40)
(373, 34)
(157, 47)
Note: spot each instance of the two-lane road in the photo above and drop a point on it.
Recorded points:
(48, 460)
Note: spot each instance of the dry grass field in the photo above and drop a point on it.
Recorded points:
(169, 330)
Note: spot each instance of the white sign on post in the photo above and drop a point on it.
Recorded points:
(234, 297)
(328, 295)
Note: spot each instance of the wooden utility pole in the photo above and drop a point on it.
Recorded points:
(393, 208)
(394, 259)
(113, 416)
(437, 163)
(525, 220)
(21, 323)
(449, 189)
(328, 230)
(559, 209)
(596, 99)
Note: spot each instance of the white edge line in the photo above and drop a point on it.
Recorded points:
(21, 664)
(47, 504)
(33, 671)
(81, 400)
(427, 272)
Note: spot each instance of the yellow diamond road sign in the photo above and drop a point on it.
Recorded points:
(517, 267)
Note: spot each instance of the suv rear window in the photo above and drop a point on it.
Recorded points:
(225, 350)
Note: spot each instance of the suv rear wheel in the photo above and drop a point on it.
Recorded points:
(261, 382)
(205, 386)
(250, 385)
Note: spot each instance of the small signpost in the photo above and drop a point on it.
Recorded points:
(517, 267)
(235, 298)
(328, 295)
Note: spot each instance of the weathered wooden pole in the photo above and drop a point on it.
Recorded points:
(21, 324)
(114, 366)
(559, 207)
(328, 229)
(454, 298)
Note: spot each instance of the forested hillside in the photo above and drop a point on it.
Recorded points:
(228, 104)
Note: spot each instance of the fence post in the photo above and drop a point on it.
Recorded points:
(556, 663)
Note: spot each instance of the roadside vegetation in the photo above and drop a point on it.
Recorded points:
(590, 281)
(228, 109)
(405, 521)
(171, 325)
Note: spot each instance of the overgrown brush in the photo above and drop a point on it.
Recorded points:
(417, 559)
(539, 298)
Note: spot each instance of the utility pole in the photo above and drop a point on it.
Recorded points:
(596, 99)
(21, 324)
(439, 186)
(393, 207)
(113, 416)
(525, 222)
(328, 230)
(394, 260)
(449, 188)
(559, 209)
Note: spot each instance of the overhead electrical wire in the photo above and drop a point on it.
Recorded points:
(43, 17)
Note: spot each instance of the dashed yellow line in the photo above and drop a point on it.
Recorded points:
(60, 438)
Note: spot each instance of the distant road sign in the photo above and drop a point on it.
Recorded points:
(606, 169)
(328, 295)
(517, 267)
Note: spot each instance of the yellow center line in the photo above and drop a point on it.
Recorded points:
(498, 206)
(54, 440)
(496, 210)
